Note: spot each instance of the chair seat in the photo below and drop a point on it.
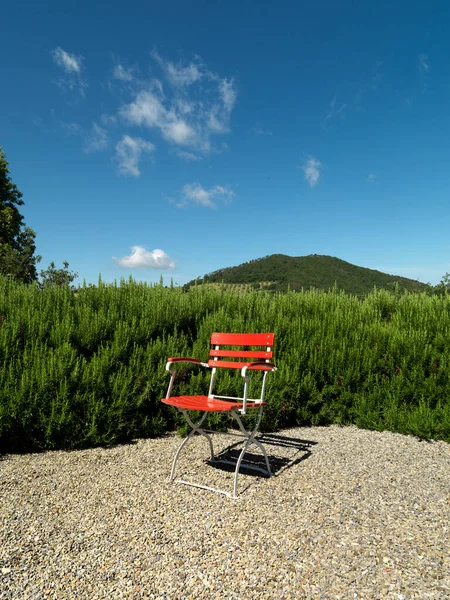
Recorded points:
(204, 403)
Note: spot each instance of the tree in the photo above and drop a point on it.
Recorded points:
(443, 287)
(60, 277)
(17, 247)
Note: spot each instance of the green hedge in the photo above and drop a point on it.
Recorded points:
(87, 368)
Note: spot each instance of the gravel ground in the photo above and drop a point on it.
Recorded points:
(349, 514)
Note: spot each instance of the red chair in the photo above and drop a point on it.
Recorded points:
(226, 346)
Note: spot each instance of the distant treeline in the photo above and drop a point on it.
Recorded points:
(278, 273)
(87, 368)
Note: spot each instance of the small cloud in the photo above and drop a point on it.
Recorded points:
(72, 67)
(424, 67)
(194, 193)
(140, 257)
(38, 122)
(189, 156)
(149, 110)
(128, 154)
(311, 170)
(178, 131)
(369, 84)
(333, 112)
(258, 130)
(123, 74)
(423, 62)
(69, 62)
(371, 177)
(71, 128)
(108, 119)
(96, 140)
(178, 75)
(228, 94)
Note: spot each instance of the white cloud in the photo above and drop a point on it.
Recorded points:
(123, 74)
(215, 123)
(258, 130)
(187, 105)
(71, 128)
(178, 131)
(72, 67)
(128, 154)
(189, 156)
(371, 177)
(370, 83)
(108, 119)
(197, 106)
(69, 62)
(140, 257)
(228, 94)
(423, 62)
(96, 140)
(184, 107)
(424, 67)
(311, 170)
(148, 110)
(333, 112)
(194, 193)
(218, 115)
(177, 74)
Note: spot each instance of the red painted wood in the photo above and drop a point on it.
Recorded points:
(266, 366)
(240, 353)
(181, 359)
(242, 339)
(204, 403)
(237, 365)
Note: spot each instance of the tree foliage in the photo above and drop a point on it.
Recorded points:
(279, 272)
(443, 287)
(59, 277)
(17, 246)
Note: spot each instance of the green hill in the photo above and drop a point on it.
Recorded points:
(277, 272)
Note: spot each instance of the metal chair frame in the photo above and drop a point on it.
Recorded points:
(231, 404)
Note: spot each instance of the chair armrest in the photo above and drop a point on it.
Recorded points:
(255, 366)
(173, 372)
(176, 359)
(260, 366)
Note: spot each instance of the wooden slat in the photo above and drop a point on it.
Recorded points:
(202, 403)
(240, 353)
(242, 339)
(236, 365)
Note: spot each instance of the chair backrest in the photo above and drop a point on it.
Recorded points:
(237, 347)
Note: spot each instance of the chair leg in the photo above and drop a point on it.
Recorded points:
(195, 427)
(250, 440)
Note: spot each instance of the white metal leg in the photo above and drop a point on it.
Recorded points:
(249, 440)
(195, 428)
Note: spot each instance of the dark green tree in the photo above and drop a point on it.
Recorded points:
(17, 247)
(443, 287)
(60, 277)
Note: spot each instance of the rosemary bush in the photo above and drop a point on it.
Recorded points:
(88, 368)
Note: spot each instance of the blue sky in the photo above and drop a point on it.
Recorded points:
(177, 138)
